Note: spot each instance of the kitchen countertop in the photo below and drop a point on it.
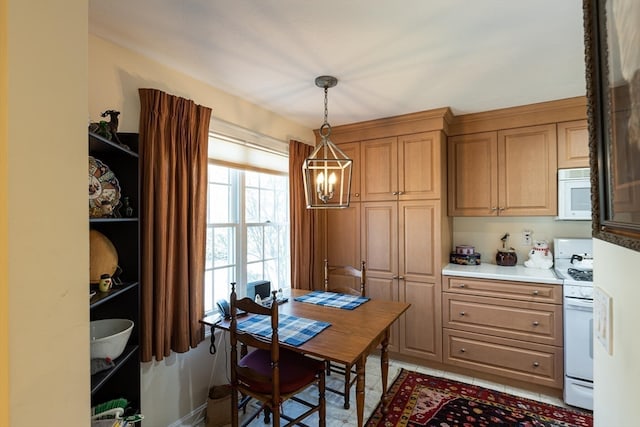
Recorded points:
(518, 273)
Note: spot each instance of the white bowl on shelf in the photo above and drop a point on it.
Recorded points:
(109, 337)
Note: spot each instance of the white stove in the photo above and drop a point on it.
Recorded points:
(573, 263)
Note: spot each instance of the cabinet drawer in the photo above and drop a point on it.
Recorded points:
(534, 363)
(521, 320)
(524, 291)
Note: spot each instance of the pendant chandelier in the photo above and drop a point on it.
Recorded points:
(327, 171)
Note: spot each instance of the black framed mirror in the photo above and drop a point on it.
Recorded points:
(612, 55)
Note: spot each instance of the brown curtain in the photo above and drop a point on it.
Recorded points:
(302, 220)
(173, 152)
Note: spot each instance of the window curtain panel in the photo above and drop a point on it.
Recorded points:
(173, 153)
(302, 220)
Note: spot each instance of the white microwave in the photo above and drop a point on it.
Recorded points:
(574, 194)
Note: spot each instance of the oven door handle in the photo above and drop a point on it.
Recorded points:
(578, 304)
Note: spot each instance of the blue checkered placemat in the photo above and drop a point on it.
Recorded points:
(333, 299)
(291, 329)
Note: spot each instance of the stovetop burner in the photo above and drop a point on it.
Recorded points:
(581, 275)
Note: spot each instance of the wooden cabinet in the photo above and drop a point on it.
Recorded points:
(508, 172)
(573, 144)
(352, 150)
(122, 301)
(401, 243)
(393, 168)
(511, 329)
(402, 230)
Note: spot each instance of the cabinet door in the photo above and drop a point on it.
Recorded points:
(419, 284)
(343, 241)
(352, 150)
(379, 173)
(379, 247)
(473, 175)
(419, 168)
(573, 144)
(527, 171)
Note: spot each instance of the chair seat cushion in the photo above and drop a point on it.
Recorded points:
(296, 370)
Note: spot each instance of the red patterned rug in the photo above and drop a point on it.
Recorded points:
(420, 400)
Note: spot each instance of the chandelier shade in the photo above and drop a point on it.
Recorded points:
(327, 170)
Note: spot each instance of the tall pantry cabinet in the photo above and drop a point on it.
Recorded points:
(398, 223)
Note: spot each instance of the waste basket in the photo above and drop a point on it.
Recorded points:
(219, 406)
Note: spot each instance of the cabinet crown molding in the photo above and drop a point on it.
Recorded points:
(525, 115)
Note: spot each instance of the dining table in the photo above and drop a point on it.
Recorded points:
(351, 336)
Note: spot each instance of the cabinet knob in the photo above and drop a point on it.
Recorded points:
(395, 193)
(356, 195)
(462, 285)
(536, 292)
(536, 323)
(536, 364)
(493, 208)
(462, 313)
(398, 277)
(400, 193)
(501, 208)
(463, 350)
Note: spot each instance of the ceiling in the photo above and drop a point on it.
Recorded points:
(390, 57)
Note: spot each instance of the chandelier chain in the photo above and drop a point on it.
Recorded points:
(326, 103)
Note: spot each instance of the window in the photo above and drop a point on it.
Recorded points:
(247, 231)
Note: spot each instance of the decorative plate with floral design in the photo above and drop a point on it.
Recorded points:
(104, 190)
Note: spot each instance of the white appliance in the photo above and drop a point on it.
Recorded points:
(574, 194)
(573, 263)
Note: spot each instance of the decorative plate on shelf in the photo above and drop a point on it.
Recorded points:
(104, 190)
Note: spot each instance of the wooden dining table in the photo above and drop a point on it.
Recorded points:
(352, 336)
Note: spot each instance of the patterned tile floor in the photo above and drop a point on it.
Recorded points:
(338, 416)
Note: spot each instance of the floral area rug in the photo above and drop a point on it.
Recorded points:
(418, 400)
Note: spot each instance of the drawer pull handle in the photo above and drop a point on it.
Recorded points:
(463, 350)
(462, 285)
(395, 193)
(536, 323)
(536, 364)
(536, 292)
(462, 313)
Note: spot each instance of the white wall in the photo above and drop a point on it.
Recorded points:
(485, 232)
(116, 74)
(616, 375)
(175, 386)
(44, 222)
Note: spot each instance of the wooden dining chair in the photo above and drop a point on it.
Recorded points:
(269, 373)
(349, 272)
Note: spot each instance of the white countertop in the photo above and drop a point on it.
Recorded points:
(518, 273)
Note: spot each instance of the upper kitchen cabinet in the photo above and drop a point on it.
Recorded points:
(508, 173)
(573, 144)
(504, 162)
(394, 168)
(352, 151)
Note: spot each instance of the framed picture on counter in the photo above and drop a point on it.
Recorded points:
(612, 48)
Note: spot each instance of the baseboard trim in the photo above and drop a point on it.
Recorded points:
(193, 418)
